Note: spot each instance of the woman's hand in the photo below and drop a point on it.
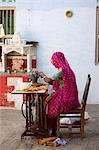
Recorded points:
(41, 74)
(46, 79)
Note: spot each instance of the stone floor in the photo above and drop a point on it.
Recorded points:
(12, 124)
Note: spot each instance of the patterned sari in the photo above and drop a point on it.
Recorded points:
(66, 97)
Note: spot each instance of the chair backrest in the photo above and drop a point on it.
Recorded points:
(85, 94)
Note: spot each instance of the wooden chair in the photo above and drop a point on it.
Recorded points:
(79, 111)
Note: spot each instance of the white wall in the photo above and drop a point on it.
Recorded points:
(45, 21)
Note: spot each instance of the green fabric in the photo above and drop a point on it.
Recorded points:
(58, 76)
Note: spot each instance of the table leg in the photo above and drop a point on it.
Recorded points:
(42, 114)
(26, 112)
(26, 109)
(42, 124)
(30, 113)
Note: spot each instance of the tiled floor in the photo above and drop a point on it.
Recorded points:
(12, 124)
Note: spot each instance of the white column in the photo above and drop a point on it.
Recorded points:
(3, 62)
(29, 62)
(0, 66)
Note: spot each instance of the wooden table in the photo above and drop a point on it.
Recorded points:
(30, 126)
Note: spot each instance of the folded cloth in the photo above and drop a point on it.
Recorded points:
(57, 142)
(72, 120)
(60, 141)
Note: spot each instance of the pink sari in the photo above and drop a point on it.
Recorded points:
(65, 98)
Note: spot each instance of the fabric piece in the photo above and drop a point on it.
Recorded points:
(58, 75)
(72, 120)
(51, 122)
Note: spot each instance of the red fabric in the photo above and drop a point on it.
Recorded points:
(65, 98)
(51, 122)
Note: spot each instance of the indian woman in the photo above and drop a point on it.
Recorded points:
(65, 93)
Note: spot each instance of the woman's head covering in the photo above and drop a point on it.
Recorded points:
(59, 61)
